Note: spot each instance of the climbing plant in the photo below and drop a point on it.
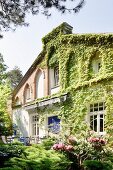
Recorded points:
(74, 54)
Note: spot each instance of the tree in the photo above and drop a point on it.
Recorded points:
(13, 12)
(3, 68)
(5, 120)
(14, 76)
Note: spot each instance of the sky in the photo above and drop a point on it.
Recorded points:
(21, 48)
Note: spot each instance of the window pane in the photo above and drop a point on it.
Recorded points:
(34, 129)
(91, 107)
(95, 123)
(99, 66)
(101, 106)
(37, 130)
(35, 118)
(101, 124)
(95, 108)
(56, 75)
(91, 122)
(96, 105)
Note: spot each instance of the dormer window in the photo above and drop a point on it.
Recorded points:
(56, 76)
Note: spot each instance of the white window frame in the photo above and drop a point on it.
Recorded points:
(35, 124)
(97, 109)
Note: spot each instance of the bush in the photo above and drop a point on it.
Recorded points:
(34, 157)
(48, 143)
(9, 151)
(97, 165)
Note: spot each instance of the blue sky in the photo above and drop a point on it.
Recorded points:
(21, 47)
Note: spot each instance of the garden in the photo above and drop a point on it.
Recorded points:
(90, 153)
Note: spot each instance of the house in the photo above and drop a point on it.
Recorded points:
(68, 88)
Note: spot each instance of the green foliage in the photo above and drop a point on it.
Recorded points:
(97, 165)
(5, 120)
(13, 13)
(14, 77)
(3, 68)
(9, 151)
(34, 157)
(75, 55)
(48, 143)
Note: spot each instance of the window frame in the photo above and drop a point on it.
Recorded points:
(97, 112)
(56, 76)
(35, 125)
(96, 65)
(27, 94)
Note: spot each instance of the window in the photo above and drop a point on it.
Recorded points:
(17, 102)
(40, 84)
(27, 93)
(96, 64)
(54, 124)
(56, 76)
(35, 125)
(97, 117)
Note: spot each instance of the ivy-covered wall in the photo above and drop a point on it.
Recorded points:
(74, 54)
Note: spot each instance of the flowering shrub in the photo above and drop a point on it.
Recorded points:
(63, 147)
(97, 143)
(95, 140)
(85, 152)
(72, 140)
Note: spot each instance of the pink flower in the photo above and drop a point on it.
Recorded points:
(55, 147)
(91, 140)
(58, 146)
(61, 146)
(69, 148)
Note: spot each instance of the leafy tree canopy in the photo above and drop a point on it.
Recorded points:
(13, 12)
(3, 68)
(5, 121)
(14, 76)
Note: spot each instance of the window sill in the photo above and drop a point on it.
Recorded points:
(56, 86)
(55, 89)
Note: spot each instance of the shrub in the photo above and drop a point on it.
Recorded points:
(37, 157)
(97, 165)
